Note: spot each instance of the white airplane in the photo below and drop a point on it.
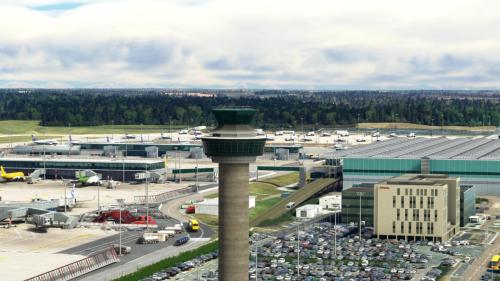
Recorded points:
(278, 133)
(165, 137)
(310, 134)
(183, 132)
(325, 134)
(200, 128)
(361, 139)
(46, 142)
(376, 135)
(71, 141)
(129, 137)
(259, 132)
(339, 147)
(342, 133)
(269, 138)
(411, 135)
(290, 138)
(306, 138)
(393, 135)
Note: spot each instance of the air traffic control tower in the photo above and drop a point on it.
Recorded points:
(234, 145)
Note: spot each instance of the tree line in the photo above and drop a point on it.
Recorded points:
(282, 110)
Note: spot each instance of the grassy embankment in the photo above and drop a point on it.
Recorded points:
(266, 193)
(29, 127)
(397, 125)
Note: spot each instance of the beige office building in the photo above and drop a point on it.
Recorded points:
(416, 207)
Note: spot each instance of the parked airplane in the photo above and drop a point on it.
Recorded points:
(165, 137)
(85, 180)
(183, 132)
(342, 133)
(72, 141)
(129, 137)
(46, 142)
(200, 128)
(14, 176)
(326, 134)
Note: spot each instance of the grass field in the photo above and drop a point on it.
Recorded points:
(262, 206)
(208, 219)
(397, 125)
(283, 180)
(28, 127)
(23, 138)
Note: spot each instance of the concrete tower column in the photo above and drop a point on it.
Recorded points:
(233, 221)
(233, 144)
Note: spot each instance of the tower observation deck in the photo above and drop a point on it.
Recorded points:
(234, 144)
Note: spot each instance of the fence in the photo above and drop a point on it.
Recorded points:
(79, 268)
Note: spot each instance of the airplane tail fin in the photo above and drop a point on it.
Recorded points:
(33, 138)
(3, 171)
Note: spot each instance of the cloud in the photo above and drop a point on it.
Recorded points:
(263, 43)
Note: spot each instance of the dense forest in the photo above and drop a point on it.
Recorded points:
(326, 109)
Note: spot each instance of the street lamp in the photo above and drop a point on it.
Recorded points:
(120, 203)
(360, 194)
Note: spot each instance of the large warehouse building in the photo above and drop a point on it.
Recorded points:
(475, 160)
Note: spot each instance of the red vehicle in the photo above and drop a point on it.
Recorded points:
(190, 209)
(126, 216)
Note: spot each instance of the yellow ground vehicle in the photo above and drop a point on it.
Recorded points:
(494, 264)
(193, 225)
(14, 176)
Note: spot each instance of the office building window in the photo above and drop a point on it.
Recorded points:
(402, 227)
(406, 191)
(398, 191)
(397, 214)
(435, 215)
(425, 192)
(436, 192)
(409, 227)
(406, 214)
(402, 202)
(393, 227)
(394, 201)
(421, 202)
(411, 191)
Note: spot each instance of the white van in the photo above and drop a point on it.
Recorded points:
(290, 205)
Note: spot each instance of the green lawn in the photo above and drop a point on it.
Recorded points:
(23, 138)
(390, 125)
(283, 180)
(208, 219)
(262, 190)
(28, 127)
(262, 206)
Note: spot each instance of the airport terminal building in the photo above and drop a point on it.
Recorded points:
(476, 161)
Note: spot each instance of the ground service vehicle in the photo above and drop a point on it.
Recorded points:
(126, 216)
(494, 264)
(193, 225)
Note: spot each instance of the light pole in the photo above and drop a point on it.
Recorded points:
(196, 175)
(112, 129)
(359, 225)
(256, 263)
(98, 197)
(302, 122)
(123, 170)
(147, 198)
(120, 203)
(298, 254)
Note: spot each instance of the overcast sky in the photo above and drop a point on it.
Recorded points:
(373, 44)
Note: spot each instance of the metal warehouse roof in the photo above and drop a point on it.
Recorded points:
(433, 148)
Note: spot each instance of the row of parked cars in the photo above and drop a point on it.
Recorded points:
(323, 258)
(172, 272)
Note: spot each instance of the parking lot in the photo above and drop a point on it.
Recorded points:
(315, 254)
